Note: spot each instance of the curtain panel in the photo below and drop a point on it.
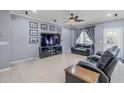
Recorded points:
(91, 33)
(89, 30)
(77, 33)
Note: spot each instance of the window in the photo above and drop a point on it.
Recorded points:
(80, 40)
(112, 37)
(84, 39)
(87, 39)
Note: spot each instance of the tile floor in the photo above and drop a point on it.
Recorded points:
(48, 70)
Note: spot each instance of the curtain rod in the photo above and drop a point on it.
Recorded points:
(83, 27)
(87, 26)
(90, 26)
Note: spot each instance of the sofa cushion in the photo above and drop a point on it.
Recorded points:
(81, 49)
(78, 45)
(86, 46)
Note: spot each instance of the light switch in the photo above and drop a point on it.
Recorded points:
(3, 43)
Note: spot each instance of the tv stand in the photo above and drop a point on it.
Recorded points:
(49, 51)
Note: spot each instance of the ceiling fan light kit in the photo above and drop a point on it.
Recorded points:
(74, 18)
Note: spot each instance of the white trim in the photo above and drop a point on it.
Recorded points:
(8, 68)
(22, 60)
(5, 69)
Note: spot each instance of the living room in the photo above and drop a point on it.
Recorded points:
(41, 45)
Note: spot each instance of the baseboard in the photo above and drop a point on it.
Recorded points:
(8, 68)
(29, 59)
(5, 69)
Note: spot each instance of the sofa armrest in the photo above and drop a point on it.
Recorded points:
(72, 46)
(86, 64)
(94, 58)
(99, 53)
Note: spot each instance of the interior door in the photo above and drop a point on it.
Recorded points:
(112, 37)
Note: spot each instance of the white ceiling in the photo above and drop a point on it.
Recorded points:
(90, 16)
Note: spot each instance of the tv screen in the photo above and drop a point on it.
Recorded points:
(50, 39)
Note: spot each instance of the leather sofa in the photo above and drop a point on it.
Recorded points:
(83, 49)
(105, 65)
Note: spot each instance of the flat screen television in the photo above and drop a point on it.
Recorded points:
(48, 39)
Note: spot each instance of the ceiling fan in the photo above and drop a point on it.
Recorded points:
(74, 18)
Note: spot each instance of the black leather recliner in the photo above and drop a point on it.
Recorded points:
(105, 65)
(94, 58)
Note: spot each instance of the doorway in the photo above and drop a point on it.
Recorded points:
(112, 37)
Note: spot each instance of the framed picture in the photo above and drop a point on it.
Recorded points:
(51, 28)
(33, 25)
(58, 28)
(33, 40)
(33, 32)
(44, 26)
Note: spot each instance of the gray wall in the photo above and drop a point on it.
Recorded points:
(66, 40)
(21, 49)
(16, 34)
(5, 52)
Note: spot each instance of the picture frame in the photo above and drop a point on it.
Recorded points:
(51, 28)
(33, 32)
(33, 25)
(44, 26)
(33, 40)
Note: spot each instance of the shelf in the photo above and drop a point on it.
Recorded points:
(49, 51)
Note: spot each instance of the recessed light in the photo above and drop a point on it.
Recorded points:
(109, 14)
(116, 14)
(34, 11)
(26, 12)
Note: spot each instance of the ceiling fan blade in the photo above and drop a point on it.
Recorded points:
(79, 20)
(76, 17)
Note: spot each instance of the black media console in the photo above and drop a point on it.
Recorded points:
(49, 51)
